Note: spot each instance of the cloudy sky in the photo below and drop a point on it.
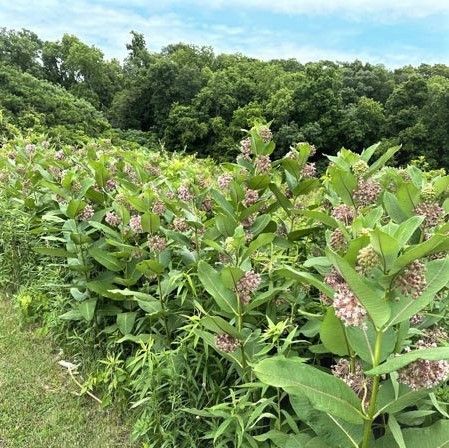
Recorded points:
(392, 32)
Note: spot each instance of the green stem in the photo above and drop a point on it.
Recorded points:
(367, 432)
(350, 352)
(239, 329)
(164, 311)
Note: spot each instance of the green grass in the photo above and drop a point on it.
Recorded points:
(38, 405)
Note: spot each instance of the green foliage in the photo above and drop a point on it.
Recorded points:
(31, 103)
(194, 100)
(220, 299)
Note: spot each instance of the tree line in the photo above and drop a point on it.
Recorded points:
(190, 98)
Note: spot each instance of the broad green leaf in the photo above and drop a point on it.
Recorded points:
(217, 324)
(399, 361)
(383, 159)
(135, 294)
(391, 401)
(260, 224)
(306, 278)
(223, 203)
(150, 222)
(408, 196)
(369, 152)
(210, 278)
(226, 225)
(396, 432)
(283, 440)
(363, 340)
(150, 267)
(332, 334)
(87, 309)
(74, 207)
(125, 322)
(393, 207)
(434, 436)
(296, 235)
(71, 315)
(369, 296)
(101, 172)
(105, 229)
(106, 259)
(406, 230)
(230, 275)
(282, 199)
(325, 392)
(336, 432)
(417, 251)
(322, 217)
(386, 246)
(306, 186)
(262, 240)
(344, 183)
(259, 182)
(151, 307)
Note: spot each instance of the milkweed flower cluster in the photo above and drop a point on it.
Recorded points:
(184, 193)
(343, 213)
(153, 169)
(416, 319)
(308, 170)
(180, 224)
(348, 308)
(249, 220)
(432, 213)
(355, 378)
(428, 193)
(157, 243)
(245, 148)
(251, 197)
(158, 208)
(247, 285)
(338, 240)
(226, 343)
(412, 280)
(334, 280)
(130, 172)
(360, 168)
(112, 219)
(423, 373)
(87, 213)
(367, 260)
(59, 155)
(224, 181)
(30, 149)
(367, 192)
(111, 184)
(265, 134)
(135, 224)
(263, 164)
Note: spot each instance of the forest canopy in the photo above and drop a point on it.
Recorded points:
(190, 98)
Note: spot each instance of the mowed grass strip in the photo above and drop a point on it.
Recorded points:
(37, 405)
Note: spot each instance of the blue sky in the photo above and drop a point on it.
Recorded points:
(392, 32)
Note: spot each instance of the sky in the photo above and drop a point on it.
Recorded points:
(390, 32)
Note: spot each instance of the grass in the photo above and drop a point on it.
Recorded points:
(38, 405)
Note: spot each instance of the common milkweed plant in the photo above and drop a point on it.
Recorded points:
(382, 283)
(306, 311)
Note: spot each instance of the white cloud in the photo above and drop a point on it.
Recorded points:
(380, 9)
(107, 24)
